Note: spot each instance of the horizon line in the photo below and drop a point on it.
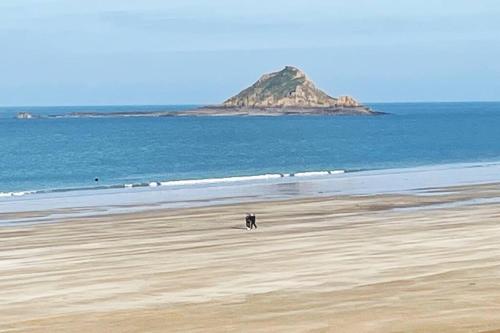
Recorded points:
(209, 104)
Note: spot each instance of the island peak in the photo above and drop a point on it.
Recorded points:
(287, 88)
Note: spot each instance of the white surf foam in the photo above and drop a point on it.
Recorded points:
(318, 173)
(247, 178)
(15, 194)
(187, 182)
(220, 180)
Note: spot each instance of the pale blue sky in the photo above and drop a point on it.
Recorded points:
(74, 52)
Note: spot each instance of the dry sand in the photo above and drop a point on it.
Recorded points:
(318, 265)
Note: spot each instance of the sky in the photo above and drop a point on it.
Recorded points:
(96, 52)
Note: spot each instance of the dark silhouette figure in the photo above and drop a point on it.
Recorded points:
(250, 221)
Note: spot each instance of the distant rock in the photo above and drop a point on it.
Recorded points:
(24, 115)
(347, 101)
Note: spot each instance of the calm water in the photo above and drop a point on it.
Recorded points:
(47, 154)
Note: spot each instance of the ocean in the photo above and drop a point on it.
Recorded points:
(45, 155)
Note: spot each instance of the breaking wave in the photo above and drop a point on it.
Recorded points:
(187, 182)
(15, 194)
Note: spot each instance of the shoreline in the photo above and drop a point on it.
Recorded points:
(352, 263)
(233, 190)
(432, 198)
(217, 111)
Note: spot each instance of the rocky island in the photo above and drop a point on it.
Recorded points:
(286, 92)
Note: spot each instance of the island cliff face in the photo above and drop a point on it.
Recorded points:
(289, 87)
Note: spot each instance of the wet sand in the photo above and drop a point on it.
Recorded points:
(344, 264)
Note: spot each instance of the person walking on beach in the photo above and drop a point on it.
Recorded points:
(250, 221)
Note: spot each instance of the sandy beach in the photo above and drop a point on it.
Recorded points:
(380, 263)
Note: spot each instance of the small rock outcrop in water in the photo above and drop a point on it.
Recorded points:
(347, 101)
(289, 87)
(24, 115)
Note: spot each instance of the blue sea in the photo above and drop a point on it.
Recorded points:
(63, 154)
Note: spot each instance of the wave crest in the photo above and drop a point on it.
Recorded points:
(186, 182)
(15, 194)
